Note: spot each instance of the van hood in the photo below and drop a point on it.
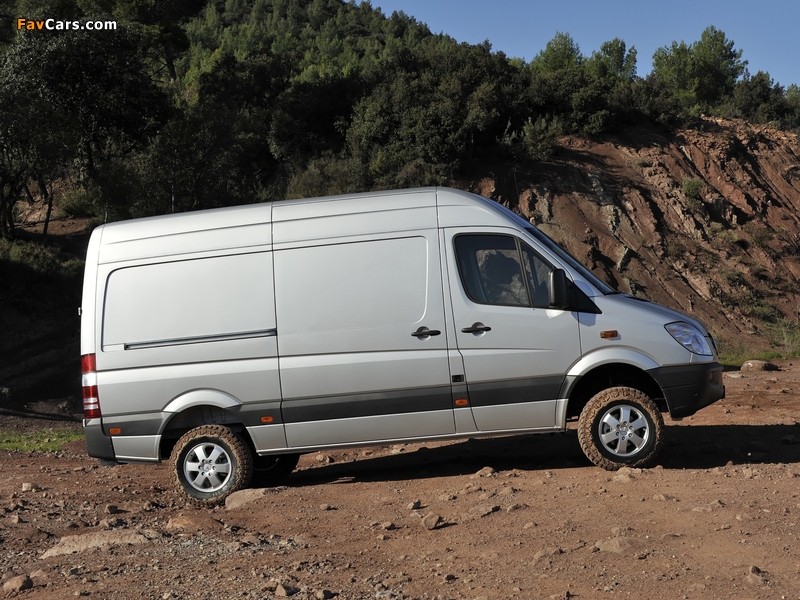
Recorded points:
(668, 314)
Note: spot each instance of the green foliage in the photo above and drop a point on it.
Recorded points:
(760, 234)
(195, 104)
(540, 137)
(785, 334)
(537, 140)
(698, 76)
(692, 190)
(78, 203)
(39, 259)
(716, 66)
(46, 440)
(560, 53)
(613, 61)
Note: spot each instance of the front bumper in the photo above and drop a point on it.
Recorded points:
(98, 444)
(688, 388)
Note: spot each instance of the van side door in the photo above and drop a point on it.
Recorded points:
(361, 340)
(516, 350)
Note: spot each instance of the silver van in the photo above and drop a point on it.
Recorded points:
(233, 340)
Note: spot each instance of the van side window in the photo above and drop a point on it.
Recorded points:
(538, 273)
(490, 269)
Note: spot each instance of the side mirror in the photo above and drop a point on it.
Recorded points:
(559, 290)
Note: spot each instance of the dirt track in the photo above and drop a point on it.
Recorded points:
(523, 517)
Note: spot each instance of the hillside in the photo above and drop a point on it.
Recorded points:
(704, 220)
(727, 252)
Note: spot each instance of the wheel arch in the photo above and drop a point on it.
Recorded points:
(580, 388)
(198, 408)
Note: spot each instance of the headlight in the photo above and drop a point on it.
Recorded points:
(689, 337)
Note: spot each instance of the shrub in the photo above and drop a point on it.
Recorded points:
(760, 234)
(692, 188)
(77, 204)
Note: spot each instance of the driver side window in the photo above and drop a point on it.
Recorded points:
(490, 269)
(502, 270)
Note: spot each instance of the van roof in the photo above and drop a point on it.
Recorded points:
(297, 220)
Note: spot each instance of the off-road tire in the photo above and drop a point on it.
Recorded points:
(272, 470)
(210, 463)
(629, 413)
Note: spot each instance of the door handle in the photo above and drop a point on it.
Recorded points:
(476, 328)
(425, 332)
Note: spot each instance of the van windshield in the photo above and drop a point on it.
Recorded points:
(571, 261)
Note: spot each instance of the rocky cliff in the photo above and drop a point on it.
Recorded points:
(704, 219)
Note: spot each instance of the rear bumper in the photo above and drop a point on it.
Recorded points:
(98, 444)
(688, 388)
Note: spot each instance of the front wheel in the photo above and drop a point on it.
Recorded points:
(620, 427)
(211, 462)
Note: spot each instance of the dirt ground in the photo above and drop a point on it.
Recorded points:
(521, 517)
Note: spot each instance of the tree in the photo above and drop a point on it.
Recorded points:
(161, 23)
(613, 61)
(560, 53)
(701, 75)
(673, 70)
(716, 66)
(758, 98)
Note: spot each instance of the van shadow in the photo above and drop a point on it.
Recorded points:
(686, 447)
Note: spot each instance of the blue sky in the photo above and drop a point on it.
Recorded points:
(768, 31)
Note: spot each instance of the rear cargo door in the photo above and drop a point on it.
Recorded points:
(361, 340)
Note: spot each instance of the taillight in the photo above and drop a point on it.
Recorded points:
(91, 399)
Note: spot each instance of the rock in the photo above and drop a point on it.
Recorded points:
(242, 497)
(191, 523)
(323, 595)
(388, 526)
(284, 591)
(30, 487)
(789, 440)
(40, 574)
(73, 544)
(750, 366)
(111, 523)
(34, 534)
(111, 509)
(615, 545)
(485, 510)
(414, 505)
(325, 507)
(546, 552)
(447, 497)
(431, 521)
(484, 472)
(17, 584)
(755, 576)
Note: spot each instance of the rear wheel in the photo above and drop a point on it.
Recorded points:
(619, 427)
(272, 470)
(210, 463)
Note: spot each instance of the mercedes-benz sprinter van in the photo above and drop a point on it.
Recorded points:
(233, 340)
